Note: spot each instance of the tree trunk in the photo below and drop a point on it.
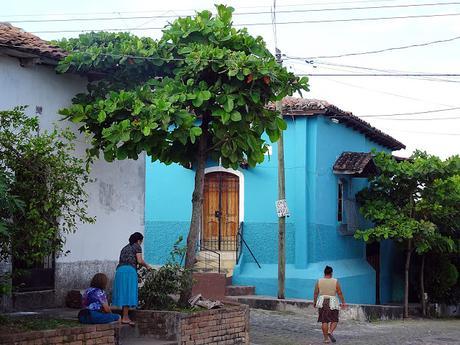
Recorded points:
(406, 279)
(197, 206)
(422, 286)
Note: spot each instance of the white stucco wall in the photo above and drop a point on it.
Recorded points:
(116, 197)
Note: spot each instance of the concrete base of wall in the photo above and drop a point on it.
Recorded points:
(353, 312)
(34, 300)
(356, 276)
(77, 275)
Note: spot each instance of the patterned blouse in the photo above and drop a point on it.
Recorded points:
(128, 255)
(93, 299)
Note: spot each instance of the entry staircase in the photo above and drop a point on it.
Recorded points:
(222, 263)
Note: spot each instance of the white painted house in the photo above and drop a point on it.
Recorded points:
(116, 197)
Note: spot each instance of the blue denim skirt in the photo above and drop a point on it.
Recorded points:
(124, 291)
(97, 317)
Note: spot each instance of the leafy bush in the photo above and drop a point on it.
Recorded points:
(42, 194)
(442, 280)
(159, 285)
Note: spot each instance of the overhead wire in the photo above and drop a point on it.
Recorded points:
(412, 112)
(383, 92)
(387, 71)
(322, 21)
(416, 119)
(399, 72)
(237, 13)
(425, 133)
(376, 51)
(193, 10)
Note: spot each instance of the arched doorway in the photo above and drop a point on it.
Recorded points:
(220, 211)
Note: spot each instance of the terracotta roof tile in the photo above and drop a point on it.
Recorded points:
(294, 106)
(354, 163)
(16, 39)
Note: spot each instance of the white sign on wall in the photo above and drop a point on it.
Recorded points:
(282, 208)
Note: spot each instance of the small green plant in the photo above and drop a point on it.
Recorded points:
(159, 285)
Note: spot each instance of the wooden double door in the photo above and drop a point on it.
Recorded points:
(220, 211)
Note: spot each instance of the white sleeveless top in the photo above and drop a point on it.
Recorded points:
(328, 290)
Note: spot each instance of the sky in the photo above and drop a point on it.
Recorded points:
(308, 31)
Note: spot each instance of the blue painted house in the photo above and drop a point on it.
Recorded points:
(327, 159)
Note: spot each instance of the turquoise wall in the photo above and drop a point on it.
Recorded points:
(168, 194)
(312, 145)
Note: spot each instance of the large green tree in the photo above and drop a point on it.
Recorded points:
(415, 203)
(197, 93)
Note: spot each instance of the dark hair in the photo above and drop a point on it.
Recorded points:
(137, 236)
(99, 281)
(328, 270)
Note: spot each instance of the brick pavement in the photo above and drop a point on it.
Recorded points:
(288, 328)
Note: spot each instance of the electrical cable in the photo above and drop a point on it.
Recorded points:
(378, 50)
(235, 14)
(322, 21)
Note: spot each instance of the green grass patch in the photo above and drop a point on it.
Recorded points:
(17, 324)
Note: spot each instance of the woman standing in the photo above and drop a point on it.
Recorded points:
(125, 282)
(327, 289)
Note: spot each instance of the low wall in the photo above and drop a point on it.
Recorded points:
(83, 335)
(229, 325)
(359, 312)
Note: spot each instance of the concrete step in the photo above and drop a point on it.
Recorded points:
(239, 290)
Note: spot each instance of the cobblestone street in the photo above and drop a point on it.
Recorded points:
(288, 328)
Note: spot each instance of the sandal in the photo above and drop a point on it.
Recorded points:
(325, 341)
(332, 338)
(131, 323)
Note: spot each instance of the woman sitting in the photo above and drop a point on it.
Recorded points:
(96, 308)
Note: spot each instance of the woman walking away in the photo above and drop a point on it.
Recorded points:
(125, 282)
(96, 308)
(325, 299)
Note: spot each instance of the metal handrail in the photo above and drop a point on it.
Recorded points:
(202, 248)
(238, 249)
(240, 241)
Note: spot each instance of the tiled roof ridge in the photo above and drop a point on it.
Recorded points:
(296, 106)
(16, 39)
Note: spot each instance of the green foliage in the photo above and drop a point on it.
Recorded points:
(42, 194)
(442, 279)
(170, 279)
(202, 79)
(416, 199)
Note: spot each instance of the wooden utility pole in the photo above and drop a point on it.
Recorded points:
(281, 196)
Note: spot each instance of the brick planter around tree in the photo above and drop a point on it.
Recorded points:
(81, 335)
(228, 325)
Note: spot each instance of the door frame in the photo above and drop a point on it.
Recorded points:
(240, 176)
(241, 186)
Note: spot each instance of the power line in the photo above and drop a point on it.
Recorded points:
(412, 113)
(378, 50)
(237, 13)
(379, 75)
(424, 133)
(322, 21)
(376, 69)
(388, 93)
(193, 10)
(418, 119)
(148, 58)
